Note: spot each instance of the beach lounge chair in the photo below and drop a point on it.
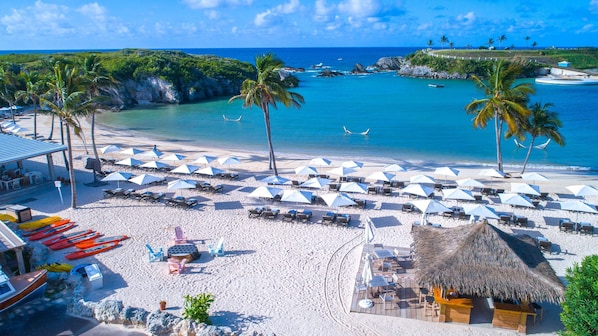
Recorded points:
(329, 218)
(176, 266)
(544, 244)
(372, 190)
(387, 191)
(360, 203)
(190, 203)
(217, 249)
(270, 213)
(157, 197)
(295, 184)
(179, 236)
(289, 215)
(217, 188)
(154, 255)
(304, 216)
(586, 228)
(257, 212)
(343, 219)
(407, 207)
(566, 226)
(108, 193)
(506, 220)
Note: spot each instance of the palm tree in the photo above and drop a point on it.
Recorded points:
(8, 87)
(34, 87)
(451, 44)
(266, 91)
(534, 44)
(501, 39)
(430, 43)
(542, 123)
(527, 38)
(490, 42)
(504, 102)
(443, 40)
(66, 99)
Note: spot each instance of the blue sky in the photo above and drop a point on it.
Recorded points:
(115, 24)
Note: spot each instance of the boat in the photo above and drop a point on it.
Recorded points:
(52, 230)
(435, 85)
(21, 288)
(100, 241)
(567, 80)
(36, 224)
(44, 228)
(227, 119)
(91, 251)
(72, 241)
(366, 132)
(64, 237)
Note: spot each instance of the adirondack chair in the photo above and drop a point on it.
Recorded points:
(154, 255)
(218, 249)
(176, 266)
(179, 236)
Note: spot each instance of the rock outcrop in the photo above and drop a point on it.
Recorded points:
(330, 73)
(359, 69)
(405, 68)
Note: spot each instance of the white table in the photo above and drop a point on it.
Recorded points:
(383, 254)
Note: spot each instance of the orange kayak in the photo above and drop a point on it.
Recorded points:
(65, 236)
(44, 228)
(52, 231)
(91, 251)
(72, 241)
(99, 241)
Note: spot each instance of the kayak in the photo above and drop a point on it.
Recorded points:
(52, 230)
(44, 228)
(72, 241)
(57, 267)
(100, 241)
(64, 237)
(91, 251)
(7, 217)
(31, 225)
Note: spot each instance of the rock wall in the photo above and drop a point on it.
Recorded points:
(405, 68)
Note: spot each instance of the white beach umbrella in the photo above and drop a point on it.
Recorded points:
(155, 165)
(320, 162)
(582, 190)
(446, 172)
(470, 183)
(367, 274)
(337, 200)
(110, 149)
(152, 153)
(355, 187)
(144, 179)
(174, 157)
(275, 179)
(131, 162)
(297, 196)
(524, 188)
(342, 171)
(352, 164)
(418, 190)
(534, 177)
(578, 206)
(428, 207)
(515, 199)
(117, 176)
(457, 194)
(421, 179)
(131, 151)
(369, 230)
(315, 182)
(381, 176)
(492, 173)
(210, 171)
(185, 169)
(181, 184)
(306, 170)
(480, 210)
(228, 160)
(394, 168)
(204, 159)
(265, 192)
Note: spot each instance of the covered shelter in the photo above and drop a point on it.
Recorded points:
(483, 261)
(15, 149)
(11, 241)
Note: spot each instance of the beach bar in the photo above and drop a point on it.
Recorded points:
(452, 309)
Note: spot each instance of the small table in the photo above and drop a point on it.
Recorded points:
(383, 254)
(186, 251)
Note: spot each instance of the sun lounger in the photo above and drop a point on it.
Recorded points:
(108, 193)
(289, 215)
(156, 197)
(329, 218)
(270, 213)
(506, 220)
(333, 186)
(407, 207)
(586, 228)
(343, 219)
(304, 216)
(544, 244)
(566, 226)
(217, 188)
(387, 191)
(372, 190)
(257, 212)
(361, 203)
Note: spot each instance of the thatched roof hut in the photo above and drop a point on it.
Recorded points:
(480, 259)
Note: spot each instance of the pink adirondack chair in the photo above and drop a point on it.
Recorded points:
(176, 266)
(179, 236)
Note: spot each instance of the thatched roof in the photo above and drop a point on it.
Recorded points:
(480, 259)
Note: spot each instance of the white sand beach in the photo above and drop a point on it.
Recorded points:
(276, 277)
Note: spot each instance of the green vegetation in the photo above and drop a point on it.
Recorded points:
(580, 308)
(196, 307)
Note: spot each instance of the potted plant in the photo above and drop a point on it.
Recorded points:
(162, 305)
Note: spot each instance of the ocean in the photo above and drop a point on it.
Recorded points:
(407, 119)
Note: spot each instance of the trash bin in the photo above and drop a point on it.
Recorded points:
(94, 276)
(21, 213)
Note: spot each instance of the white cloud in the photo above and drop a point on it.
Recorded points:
(594, 6)
(424, 26)
(41, 19)
(589, 28)
(206, 4)
(466, 19)
(322, 12)
(92, 10)
(288, 8)
(261, 19)
(275, 15)
(360, 8)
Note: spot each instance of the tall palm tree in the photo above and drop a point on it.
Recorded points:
(490, 42)
(451, 44)
(501, 39)
(430, 43)
(527, 38)
(266, 91)
(66, 99)
(8, 87)
(542, 123)
(534, 44)
(443, 40)
(34, 88)
(505, 102)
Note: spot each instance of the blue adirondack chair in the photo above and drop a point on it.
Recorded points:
(154, 255)
(218, 249)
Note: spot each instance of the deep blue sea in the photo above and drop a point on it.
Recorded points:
(408, 120)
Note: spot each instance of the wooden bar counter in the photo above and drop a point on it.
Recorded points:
(453, 309)
(512, 316)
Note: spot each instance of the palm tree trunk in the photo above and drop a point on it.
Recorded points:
(34, 121)
(93, 139)
(498, 130)
(529, 152)
(51, 127)
(71, 168)
(66, 161)
(269, 137)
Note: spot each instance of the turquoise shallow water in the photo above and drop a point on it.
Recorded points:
(407, 119)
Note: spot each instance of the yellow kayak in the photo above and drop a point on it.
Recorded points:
(57, 267)
(31, 225)
(5, 217)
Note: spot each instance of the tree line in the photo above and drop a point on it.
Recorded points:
(490, 42)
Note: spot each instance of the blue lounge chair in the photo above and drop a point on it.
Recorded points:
(154, 255)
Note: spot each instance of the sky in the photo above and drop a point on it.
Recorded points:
(157, 24)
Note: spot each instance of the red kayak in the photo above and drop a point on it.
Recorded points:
(45, 228)
(52, 231)
(91, 251)
(99, 241)
(64, 237)
(72, 241)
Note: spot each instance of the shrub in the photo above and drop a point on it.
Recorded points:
(580, 308)
(196, 307)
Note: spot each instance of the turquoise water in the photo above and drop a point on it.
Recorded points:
(407, 120)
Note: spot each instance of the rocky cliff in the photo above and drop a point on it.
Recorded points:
(405, 68)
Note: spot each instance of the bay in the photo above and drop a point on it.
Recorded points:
(408, 120)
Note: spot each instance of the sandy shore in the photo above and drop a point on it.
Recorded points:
(276, 277)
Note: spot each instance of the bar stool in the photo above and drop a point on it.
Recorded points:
(423, 292)
(430, 304)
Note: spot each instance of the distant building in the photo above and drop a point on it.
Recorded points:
(564, 64)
